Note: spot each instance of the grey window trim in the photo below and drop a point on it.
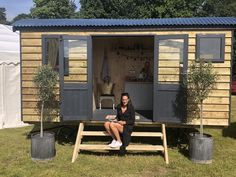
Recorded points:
(90, 76)
(61, 76)
(222, 47)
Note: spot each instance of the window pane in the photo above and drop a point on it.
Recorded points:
(171, 49)
(75, 60)
(210, 48)
(52, 53)
(170, 60)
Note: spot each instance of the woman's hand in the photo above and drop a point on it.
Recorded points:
(110, 117)
(122, 122)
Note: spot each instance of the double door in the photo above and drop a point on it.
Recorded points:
(170, 68)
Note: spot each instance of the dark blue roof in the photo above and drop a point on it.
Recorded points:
(198, 22)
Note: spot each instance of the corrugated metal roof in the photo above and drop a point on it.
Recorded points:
(103, 23)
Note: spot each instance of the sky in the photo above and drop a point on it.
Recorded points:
(15, 7)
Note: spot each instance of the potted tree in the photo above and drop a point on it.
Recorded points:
(201, 80)
(43, 143)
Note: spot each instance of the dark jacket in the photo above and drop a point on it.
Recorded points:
(129, 117)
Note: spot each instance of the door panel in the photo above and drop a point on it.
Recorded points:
(75, 101)
(170, 68)
(75, 78)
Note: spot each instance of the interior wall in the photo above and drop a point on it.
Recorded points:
(126, 57)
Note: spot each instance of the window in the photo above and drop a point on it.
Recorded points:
(52, 53)
(171, 59)
(74, 49)
(211, 47)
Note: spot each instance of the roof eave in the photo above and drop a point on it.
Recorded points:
(144, 27)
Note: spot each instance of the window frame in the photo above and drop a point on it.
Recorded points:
(222, 46)
(44, 38)
(44, 61)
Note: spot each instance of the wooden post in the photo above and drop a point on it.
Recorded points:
(78, 142)
(165, 143)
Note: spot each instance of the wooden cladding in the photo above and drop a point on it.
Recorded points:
(216, 107)
(31, 50)
(31, 42)
(191, 34)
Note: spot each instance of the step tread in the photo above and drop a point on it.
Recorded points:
(130, 147)
(104, 133)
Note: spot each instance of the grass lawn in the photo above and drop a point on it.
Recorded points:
(15, 160)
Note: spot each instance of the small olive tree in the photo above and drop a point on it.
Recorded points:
(201, 80)
(45, 81)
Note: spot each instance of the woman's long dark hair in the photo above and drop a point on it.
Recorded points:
(129, 103)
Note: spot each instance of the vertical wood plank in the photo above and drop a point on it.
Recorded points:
(78, 142)
(165, 143)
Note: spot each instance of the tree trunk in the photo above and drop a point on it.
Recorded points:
(41, 121)
(201, 125)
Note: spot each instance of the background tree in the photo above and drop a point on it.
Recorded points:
(133, 8)
(175, 8)
(91, 9)
(157, 9)
(218, 8)
(138, 8)
(3, 19)
(53, 9)
(21, 16)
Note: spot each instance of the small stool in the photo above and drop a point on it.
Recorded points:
(107, 97)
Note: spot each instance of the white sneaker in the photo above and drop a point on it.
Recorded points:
(112, 143)
(117, 144)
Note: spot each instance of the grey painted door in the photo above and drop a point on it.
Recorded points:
(170, 68)
(75, 66)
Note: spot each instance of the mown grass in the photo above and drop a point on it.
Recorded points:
(15, 160)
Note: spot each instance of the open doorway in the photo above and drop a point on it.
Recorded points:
(124, 64)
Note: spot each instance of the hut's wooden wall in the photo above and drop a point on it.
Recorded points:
(31, 58)
(216, 108)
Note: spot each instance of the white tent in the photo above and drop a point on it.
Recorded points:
(10, 105)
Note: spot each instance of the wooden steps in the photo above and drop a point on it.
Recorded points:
(132, 147)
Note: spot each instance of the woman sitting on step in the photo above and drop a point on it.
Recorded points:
(123, 124)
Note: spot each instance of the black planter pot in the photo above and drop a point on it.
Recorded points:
(43, 148)
(201, 148)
